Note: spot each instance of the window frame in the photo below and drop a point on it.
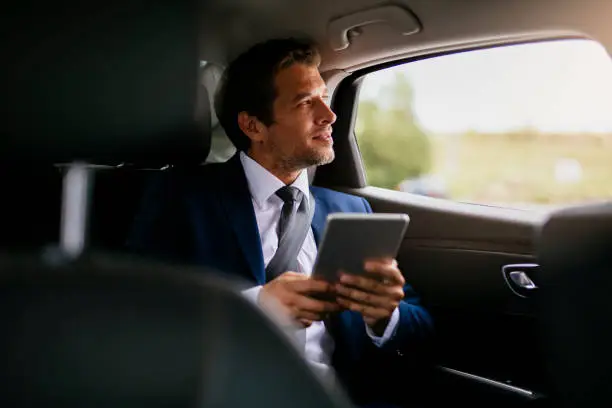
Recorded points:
(348, 170)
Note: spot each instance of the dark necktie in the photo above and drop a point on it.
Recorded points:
(293, 226)
(292, 197)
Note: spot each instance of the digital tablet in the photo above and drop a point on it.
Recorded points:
(349, 239)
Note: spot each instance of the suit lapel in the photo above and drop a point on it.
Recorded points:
(236, 201)
(318, 219)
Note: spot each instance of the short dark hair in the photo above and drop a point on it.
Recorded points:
(248, 83)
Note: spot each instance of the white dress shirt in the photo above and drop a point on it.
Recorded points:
(267, 205)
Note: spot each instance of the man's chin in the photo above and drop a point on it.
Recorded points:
(328, 159)
(314, 158)
(324, 157)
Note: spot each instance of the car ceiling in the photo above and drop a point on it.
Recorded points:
(230, 26)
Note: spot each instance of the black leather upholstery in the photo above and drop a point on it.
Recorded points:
(575, 283)
(116, 82)
(29, 205)
(117, 192)
(116, 197)
(104, 82)
(114, 333)
(113, 82)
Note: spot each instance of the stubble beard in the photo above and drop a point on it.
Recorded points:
(293, 163)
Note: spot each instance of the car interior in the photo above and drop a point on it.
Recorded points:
(99, 97)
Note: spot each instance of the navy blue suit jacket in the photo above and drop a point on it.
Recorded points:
(205, 216)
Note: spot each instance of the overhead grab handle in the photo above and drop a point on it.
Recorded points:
(399, 18)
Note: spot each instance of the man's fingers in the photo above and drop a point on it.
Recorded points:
(386, 261)
(305, 322)
(361, 282)
(386, 271)
(293, 276)
(370, 321)
(310, 286)
(369, 313)
(304, 315)
(371, 285)
(312, 310)
(390, 301)
(309, 304)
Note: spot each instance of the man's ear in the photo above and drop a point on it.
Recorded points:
(251, 126)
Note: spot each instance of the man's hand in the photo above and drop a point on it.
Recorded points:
(375, 295)
(291, 292)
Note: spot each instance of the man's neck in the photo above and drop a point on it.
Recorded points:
(285, 175)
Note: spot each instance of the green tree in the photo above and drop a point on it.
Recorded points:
(392, 145)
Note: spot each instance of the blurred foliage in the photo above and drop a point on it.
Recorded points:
(519, 168)
(392, 146)
(515, 168)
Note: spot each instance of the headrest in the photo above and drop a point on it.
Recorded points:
(574, 304)
(221, 148)
(115, 81)
(210, 76)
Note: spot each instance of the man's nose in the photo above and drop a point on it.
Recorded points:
(325, 116)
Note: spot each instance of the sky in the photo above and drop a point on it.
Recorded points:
(556, 86)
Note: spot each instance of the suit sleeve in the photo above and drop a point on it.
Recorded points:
(415, 324)
(160, 227)
(366, 205)
(381, 372)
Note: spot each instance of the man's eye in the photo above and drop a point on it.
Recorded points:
(306, 102)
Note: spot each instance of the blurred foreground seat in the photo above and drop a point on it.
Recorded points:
(108, 84)
(103, 332)
(575, 304)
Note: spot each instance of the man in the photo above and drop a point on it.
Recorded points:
(273, 105)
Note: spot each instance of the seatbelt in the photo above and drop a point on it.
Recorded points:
(293, 229)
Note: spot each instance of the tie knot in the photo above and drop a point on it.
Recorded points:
(289, 194)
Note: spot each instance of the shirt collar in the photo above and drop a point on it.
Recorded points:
(263, 184)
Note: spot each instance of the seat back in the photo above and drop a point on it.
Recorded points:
(114, 82)
(117, 192)
(575, 254)
(106, 83)
(109, 332)
(29, 206)
(109, 83)
(221, 147)
(115, 199)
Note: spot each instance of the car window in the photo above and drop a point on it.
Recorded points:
(526, 126)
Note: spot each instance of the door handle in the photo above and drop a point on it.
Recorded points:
(519, 278)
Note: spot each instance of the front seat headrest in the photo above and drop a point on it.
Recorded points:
(221, 148)
(112, 82)
(574, 304)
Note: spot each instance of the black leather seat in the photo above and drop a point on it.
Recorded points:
(117, 191)
(112, 83)
(106, 332)
(29, 206)
(115, 200)
(116, 82)
(575, 283)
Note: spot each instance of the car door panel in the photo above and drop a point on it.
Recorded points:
(487, 345)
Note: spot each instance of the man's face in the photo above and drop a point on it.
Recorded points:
(301, 133)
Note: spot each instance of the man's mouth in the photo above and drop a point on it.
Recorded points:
(324, 136)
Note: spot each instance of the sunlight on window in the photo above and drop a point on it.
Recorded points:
(526, 126)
